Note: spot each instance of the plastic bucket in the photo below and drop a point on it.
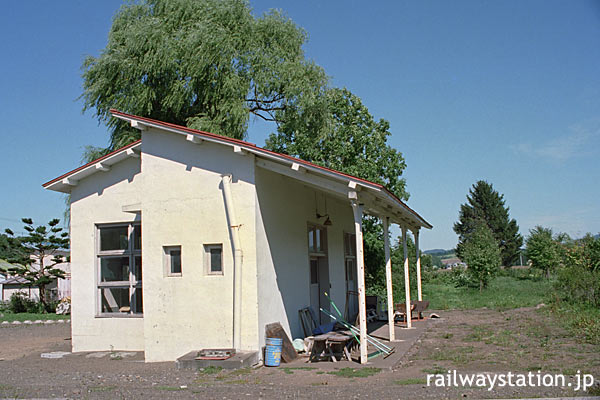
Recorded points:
(273, 352)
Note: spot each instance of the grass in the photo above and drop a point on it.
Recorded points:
(10, 317)
(582, 320)
(503, 292)
(210, 370)
(411, 381)
(290, 370)
(459, 355)
(355, 372)
(435, 370)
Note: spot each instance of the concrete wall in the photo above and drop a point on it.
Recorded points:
(284, 208)
(99, 199)
(183, 205)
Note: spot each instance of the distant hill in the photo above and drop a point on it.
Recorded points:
(434, 251)
(440, 252)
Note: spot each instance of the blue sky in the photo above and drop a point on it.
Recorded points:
(506, 91)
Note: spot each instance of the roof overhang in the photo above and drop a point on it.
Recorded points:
(65, 182)
(375, 198)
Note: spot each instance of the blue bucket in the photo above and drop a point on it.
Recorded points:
(273, 352)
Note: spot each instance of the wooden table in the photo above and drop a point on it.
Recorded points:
(331, 345)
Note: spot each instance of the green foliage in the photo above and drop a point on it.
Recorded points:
(486, 206)
(503, 292)
(29, 262)
(542, 250)
(10, 248)
(578, 279)
(346, 138)
(376, 280)
(482, 255)
(208, 64)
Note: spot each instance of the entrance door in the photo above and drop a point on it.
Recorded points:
(319, 271)
(351, 289)
(319, 285)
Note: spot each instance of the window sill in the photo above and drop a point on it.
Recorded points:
(119, 315)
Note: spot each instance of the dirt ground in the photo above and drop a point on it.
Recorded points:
(475, 341)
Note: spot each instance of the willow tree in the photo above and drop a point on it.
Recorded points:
(208, 65)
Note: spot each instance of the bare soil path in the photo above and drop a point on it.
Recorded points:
(473, 341)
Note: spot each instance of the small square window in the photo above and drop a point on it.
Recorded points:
(172, 260)
(214, 259)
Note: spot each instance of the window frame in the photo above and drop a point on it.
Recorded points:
(350, 256)
(132, 284)
(167, 257)
(208, 260)
(312, 231)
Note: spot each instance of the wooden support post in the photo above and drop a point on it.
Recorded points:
(406, 280)
(360, 275)
(388, 277)
(419, 293)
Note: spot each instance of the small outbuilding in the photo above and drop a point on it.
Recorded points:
(187, 240)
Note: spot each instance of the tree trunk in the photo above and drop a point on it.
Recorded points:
(480, 285)
(42, 291)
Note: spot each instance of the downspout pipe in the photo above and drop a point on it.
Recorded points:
(237, 261)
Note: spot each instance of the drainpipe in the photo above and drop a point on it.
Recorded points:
(237, 261)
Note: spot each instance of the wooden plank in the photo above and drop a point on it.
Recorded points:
(275, 330)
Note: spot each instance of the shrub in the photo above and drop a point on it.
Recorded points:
(482, 255)
(20, 303)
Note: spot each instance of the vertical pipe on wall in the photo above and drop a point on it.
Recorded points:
(237, 261)
(388, 278)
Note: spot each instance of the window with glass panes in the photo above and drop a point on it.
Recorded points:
(119, 269)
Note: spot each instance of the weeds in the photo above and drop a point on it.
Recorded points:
(411, 381)
(290, 370)
(355, 372)
(435, 370)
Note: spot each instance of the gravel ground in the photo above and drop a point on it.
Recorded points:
(476, 341)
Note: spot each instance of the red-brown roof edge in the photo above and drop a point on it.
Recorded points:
(91, 163)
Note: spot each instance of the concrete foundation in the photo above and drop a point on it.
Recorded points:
(242, 359)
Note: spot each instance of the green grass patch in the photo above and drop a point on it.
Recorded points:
(210, 370)
(241, 371)
(581, 320)
(411, 381)
(503, 292)
(355, 372)
(435, 370)
(459, 355)
(10, 317)
(290, 370)
(478, 333)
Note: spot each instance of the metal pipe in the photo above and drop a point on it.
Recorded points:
(237, 261)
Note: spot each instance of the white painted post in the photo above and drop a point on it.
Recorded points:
(388, 278)
(419, 293)
(360, 276)
(406, 280)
